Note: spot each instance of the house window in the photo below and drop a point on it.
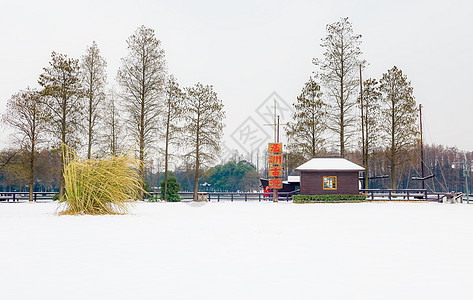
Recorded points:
(330, 182)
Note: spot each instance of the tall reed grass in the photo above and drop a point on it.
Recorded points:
(100, 186)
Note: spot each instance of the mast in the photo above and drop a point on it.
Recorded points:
(275, 128)
(363, 148)
(276, 140)
(421, 147)
(277, 134)
(276, 125)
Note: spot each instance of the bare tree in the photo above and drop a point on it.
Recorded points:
(371, 112)
(142, 79)
(93, 81)
(399, 115)
(112, 130)
(338, 72)
(62, 94)
(305, 133)
(26, 114)
(8, 156)
(204, 117)
(173, 113)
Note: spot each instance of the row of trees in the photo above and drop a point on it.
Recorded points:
(331, 110)
(231, 176)
(241, 175)
(73, 108)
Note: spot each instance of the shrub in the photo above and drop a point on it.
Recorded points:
(147, 190)
(100, 186)
(328, 198)
(173, 190)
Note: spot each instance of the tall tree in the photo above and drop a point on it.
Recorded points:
(204, 126)
(338, 72)
(142, 77)
(173, 113)
(26, 114)
(62, 93)
(399, 115)
(371, 113)
(305, 133)
(93, 81)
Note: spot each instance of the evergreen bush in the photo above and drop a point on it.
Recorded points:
(173, 190)
(328, 198)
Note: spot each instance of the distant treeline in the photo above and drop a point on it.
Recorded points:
(438, 161)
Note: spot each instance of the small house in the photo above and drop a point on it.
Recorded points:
(329, 175)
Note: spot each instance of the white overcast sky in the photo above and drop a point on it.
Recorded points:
(249, 49)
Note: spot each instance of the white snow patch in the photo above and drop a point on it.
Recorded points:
(239, 250)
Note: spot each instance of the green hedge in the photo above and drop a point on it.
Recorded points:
(328, 198)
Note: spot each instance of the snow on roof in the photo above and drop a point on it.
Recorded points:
(293, 178)
(329, 164)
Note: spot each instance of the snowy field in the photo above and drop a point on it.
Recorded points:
(239, 251)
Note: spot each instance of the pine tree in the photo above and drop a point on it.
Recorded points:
(399, 116)
(62, 94)
(338, 73)
(305, 133)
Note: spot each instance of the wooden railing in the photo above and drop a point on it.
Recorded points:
(372, 194)
(396, 194)
(17, 196)
(232, 196)
(208, 196)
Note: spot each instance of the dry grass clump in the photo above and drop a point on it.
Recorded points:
(100, 186)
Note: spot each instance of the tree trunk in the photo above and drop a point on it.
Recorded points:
(31, 175)
(63, 148)
(113, 140)
(366, 149)
(61, 177)
(141, 176)
(342, 105)
(142, 131)
(393, 145)
(393, 173)
(313, 128)
(366, 167)
(142, 158)
(166, 153)
(89, 146)
(196, 181)
(197, 163)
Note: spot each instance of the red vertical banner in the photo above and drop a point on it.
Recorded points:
(275, 165)
(275, 148)
(275, 160)
(275, 171)
(275, 183)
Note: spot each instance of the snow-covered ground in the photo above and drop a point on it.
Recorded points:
(239, 251)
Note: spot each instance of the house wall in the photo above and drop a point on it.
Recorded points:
(312, 182)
